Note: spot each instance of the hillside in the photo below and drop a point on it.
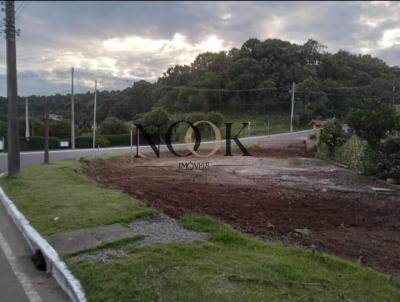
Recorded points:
(253, 79)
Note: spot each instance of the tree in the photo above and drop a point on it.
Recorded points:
(215, 117)
(329, 84)
(154, 120)
(113, 125)
(388, 159)
(36, 127)
(373, 121)
(60, 129)
(312, 101)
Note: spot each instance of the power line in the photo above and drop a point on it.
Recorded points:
(20, 8)
(20, 4)
(220, 89)
(264, 89)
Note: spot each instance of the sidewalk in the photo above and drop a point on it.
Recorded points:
(20, 280)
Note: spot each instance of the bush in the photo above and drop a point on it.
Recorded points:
(36, 143)
(388, 158)
(373, 121)
(151, 120)
(61, 129)
(119, 139)
(352, 153)
(369, 162)
(216, 118)
(36, 127)
(332, 135)
(112, 126)
(87, 141)
(194, 117)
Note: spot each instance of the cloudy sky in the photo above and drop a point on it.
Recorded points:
(121, 42)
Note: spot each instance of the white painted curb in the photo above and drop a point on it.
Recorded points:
(55, 266)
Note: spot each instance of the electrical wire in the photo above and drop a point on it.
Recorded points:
(20, 8)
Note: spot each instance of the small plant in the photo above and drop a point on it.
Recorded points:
(352, 153)
(332, 136)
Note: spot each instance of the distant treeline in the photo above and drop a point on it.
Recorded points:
(255, 78)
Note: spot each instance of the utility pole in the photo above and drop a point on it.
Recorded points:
(292, 108)
(94, 114)
(32, 124)
(27, 134)
(46, 132)
(12, 92)
(72, 110)
(393, 92)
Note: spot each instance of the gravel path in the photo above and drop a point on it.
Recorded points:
(160, 229)
(163, 229)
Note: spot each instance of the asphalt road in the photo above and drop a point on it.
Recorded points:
(28, 158)
(20, 281)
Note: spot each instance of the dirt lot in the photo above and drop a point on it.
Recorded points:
(275, 194)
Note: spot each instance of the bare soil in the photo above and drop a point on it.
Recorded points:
(275, 194)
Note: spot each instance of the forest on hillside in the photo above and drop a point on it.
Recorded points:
(256, 78)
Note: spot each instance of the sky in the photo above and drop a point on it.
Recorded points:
(122, 42)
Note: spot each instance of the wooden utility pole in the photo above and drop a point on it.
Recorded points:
(46, 132)
(94, 114)
(72, 110)
(12, 92)
(292, 108)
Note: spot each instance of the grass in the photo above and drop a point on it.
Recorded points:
(230, 266)
(261, 124)
(272, 123)
(56, 198)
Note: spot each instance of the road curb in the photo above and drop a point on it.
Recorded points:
(55, 265)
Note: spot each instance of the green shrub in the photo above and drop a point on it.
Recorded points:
(84, 141)
(196, 117)
(373, 121)
(388, 158)
(323, 151)
(369, 162)
(216, 118)
(119, 139)
(332, 135)
(352, 153)
(36, 127)
(112, 126)
(87, 141)
(101, 141)
(157, 117)
(61, 129)
(36, 143)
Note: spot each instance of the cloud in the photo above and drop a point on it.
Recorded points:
(121, 42)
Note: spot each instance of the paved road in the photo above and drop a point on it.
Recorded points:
(28, 158)
(20, 281)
